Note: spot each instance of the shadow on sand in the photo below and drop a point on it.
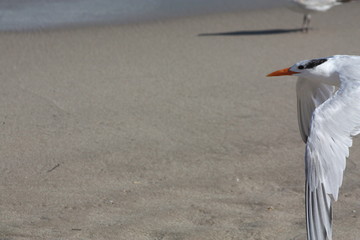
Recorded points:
(252, 32)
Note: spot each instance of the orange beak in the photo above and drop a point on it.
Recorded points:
(282, 72)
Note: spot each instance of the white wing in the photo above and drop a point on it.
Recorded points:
(310, 95)
(318, 213)
(332, 126)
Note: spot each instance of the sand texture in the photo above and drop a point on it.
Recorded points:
(164, 131)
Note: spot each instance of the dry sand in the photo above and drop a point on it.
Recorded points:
(150, 131)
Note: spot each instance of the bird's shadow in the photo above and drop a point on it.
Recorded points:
(253, 32)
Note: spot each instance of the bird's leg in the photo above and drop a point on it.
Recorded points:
(303, 24)
(306, 22)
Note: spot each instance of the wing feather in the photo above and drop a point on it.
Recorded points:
(332, 126)
(310, 95)
(318, 213)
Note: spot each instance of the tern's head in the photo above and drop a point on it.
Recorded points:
(322, 69)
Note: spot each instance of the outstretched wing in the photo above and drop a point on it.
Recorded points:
(332, 126)
(310, 95)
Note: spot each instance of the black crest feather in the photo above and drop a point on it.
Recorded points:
(315, 62)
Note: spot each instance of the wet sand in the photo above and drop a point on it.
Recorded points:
(165, 130)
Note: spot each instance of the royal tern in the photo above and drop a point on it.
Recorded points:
(328, 118)
(309, 6)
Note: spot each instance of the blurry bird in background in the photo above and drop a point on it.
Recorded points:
(310, 6)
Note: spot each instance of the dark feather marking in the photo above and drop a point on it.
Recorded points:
(315, 62)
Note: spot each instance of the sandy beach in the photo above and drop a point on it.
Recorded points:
(165, 130)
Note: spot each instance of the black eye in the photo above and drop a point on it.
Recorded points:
(301, 67)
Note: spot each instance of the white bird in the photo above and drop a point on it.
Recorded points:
(328, 103)
(309, 6)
